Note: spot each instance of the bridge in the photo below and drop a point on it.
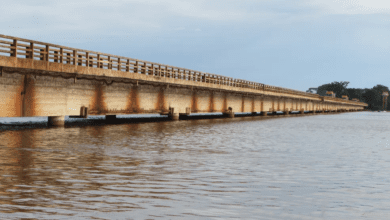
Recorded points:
(42, 79)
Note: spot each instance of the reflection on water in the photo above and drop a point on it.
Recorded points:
(316, 167)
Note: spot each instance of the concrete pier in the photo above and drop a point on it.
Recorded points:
(56, 121)
(229, 115)
(174, 116)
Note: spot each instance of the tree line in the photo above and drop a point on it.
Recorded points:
(373, 97)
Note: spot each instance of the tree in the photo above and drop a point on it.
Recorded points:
(339, 88)
(371, 99)
(356, 93)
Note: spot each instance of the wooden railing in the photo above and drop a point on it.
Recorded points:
(29, 49)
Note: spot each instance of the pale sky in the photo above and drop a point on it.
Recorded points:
(288, 43)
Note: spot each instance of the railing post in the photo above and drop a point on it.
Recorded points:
(128, 65)
(119, 64)
(68, 58)
(75, 57)
(152, 72)
(87, 59)
(159, 70)
(47, 53)
(61, 55)
(109, 62)
(14, 50)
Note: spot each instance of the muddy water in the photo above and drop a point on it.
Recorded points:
(314, 167)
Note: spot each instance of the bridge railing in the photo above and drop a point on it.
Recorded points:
(29, 49)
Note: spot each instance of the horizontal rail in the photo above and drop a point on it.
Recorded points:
(29, 49)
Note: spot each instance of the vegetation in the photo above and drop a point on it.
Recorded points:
(373, 97)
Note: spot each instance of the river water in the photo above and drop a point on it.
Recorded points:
(312, 167)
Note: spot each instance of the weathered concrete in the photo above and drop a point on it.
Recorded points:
(52, 80)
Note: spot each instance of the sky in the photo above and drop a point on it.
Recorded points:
(294, 44)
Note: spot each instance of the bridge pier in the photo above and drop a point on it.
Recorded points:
(229, 113)
(56, 121)
(264, 113)
(174, 116)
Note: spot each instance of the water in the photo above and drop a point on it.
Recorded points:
(314, 167)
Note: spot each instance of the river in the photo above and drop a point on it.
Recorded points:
(313, 167)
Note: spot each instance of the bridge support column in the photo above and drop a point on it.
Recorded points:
(56, 121)
(174, 116)
(229, 113)
(263, 113)
(286, 112)
(302, 111)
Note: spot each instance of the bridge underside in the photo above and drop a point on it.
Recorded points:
(27, 94)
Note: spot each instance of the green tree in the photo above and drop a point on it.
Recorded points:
(371, 99)
(339, 88)
(356, 93)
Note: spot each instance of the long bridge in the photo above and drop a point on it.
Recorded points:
(42, 79)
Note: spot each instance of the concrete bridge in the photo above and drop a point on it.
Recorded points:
(42, 79)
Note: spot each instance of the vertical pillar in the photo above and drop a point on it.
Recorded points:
(61, 55)
(75, 57)
(98, 63)
(47, 56)
(56, 121)
(84, 112)
(173, 115)
(229, 113)
(14, 49)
